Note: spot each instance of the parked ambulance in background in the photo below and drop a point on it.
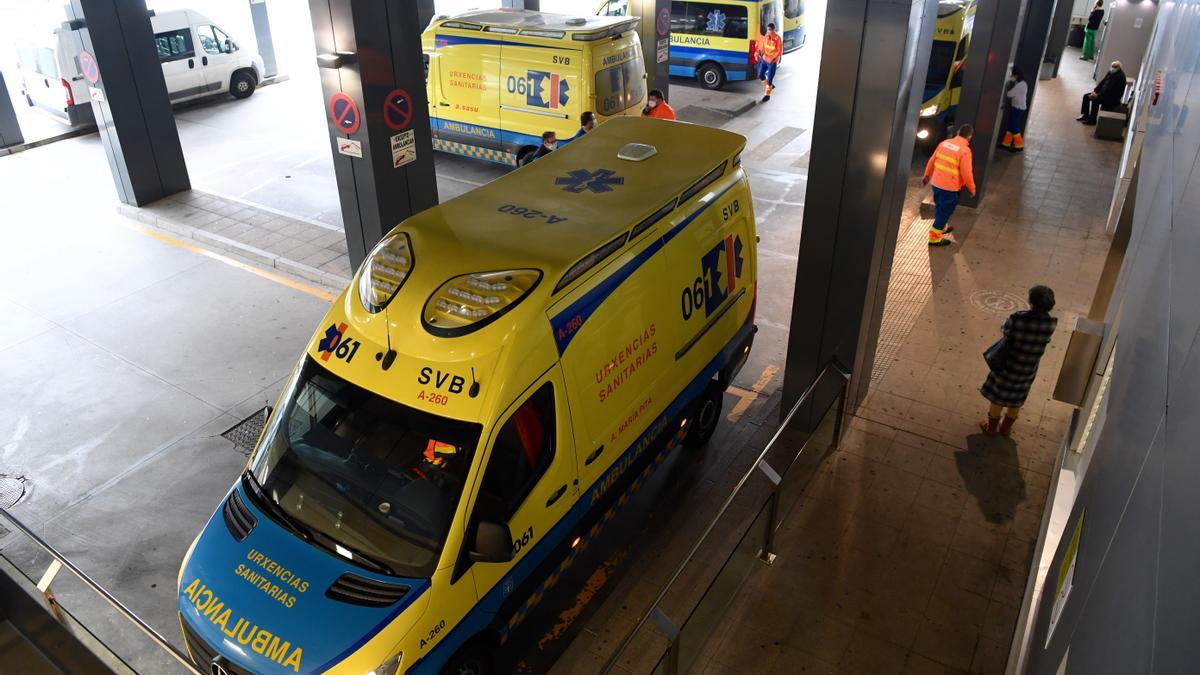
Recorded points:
(504, 369)
(943, 80)
(497, 79)
(793, 25)
(198, 59)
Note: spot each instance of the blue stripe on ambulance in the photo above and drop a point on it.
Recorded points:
(698, 54)
(484, 613)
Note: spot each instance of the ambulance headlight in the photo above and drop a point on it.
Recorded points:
(384, 272)
(389, 667)
(929, 110)
(469, 302)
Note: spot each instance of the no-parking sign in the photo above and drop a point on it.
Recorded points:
(397, 110)
(663, 24)
(87, 63)
(343, 111)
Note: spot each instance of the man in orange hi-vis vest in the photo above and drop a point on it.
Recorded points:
(950, 171)
(770, 50)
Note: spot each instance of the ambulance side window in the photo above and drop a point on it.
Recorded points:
(524, 450)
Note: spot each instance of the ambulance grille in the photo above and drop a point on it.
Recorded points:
(358, 590)
(202, 654)
(238, 518)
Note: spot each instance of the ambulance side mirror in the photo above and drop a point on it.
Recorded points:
(493, 543)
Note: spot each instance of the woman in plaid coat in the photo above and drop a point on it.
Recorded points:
(1026, 335)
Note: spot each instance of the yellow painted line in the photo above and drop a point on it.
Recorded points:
(271, 276)
(748, 397)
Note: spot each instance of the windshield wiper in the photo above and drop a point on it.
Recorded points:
(292, 523)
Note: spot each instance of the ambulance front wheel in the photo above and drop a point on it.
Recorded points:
(474, 659)
(711, 76)
(525, 155)
(707, 411)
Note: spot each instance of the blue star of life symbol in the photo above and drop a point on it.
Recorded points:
(600, 180)
(716, 22)
(332, 337)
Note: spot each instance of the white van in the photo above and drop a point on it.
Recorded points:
(198, 59)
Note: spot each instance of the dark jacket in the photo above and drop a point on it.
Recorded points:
(541, 152)
(1095, 19)
(1026, 334)
(1111, 88)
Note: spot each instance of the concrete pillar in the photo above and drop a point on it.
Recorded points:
(655, 15)
(864, 130)
(1031, 44)
(373, 81)
(129, 99)
(10, 130)
(993, 44)
(262, 36)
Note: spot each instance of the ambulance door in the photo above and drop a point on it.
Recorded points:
(541, 93)
(529, 479)
(468, 107)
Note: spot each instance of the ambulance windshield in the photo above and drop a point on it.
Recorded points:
(360, 475)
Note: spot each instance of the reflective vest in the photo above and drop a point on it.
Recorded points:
(771, 47)
(950, 166)
(662, 111)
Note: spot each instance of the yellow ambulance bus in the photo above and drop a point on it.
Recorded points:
(793, 25)
(497, 79)
(715, 41)
(947, 58)
(504, 369)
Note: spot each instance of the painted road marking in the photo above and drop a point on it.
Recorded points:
(313, 291)
(748, 397)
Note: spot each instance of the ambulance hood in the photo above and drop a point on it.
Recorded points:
(272, 603)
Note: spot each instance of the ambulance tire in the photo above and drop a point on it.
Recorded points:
(525, 155)
(711, 75)
(242, 84)
(473, 659)
(706, 413)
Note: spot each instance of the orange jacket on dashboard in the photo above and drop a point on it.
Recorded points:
(770, 48)
(950, 167)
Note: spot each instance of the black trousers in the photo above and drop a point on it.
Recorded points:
(1091, 107)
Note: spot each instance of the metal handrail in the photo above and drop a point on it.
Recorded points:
(836, 366)
(91, 583)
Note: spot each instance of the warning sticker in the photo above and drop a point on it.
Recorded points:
(664, 50)
(96, 95)
(349, 147)
(404, 148)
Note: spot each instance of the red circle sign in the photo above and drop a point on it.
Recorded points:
(664, 21)
(87, 63)
(343, 111)
(397, 110)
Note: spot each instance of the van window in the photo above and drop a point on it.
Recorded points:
(213, 40)
(769, 13)
(174, 45)
(709, 18)
(621, 86)
(524, 450)
(941, 58)
(38, 59)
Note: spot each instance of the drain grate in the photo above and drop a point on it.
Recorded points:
(245, 434)
(12, 489)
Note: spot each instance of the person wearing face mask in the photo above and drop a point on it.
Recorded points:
(657, 106)
(1018, 103)
(587, 122)
(549, 145)
(1106, 96)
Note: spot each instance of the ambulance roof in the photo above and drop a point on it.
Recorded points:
(565, 205)
(529, 19)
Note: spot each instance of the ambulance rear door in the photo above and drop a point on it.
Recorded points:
(541, 93)
(468, 105)
(620, 76)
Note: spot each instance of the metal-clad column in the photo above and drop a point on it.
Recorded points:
(993, 44)
(655, 31)
(373, 80)
(876, 54)
(10, 130)
(1060, 27)
(129, 98)
(262, 36)
(1031, 47)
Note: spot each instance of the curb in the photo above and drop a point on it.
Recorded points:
(335, 282)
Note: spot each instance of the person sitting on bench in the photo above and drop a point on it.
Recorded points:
(1106, 96)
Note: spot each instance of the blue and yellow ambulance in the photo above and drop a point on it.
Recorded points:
(714, 41)
(947, 59)
(497, 79)
(501, 371)
(793, 25)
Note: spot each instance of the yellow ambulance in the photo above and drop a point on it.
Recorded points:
(793, 31)
(947, 59)
(497, 79)
(504, 369)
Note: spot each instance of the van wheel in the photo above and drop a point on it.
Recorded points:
(242, 84)
(711, 76)
(474, 659)
(707, 411)
(525, 155)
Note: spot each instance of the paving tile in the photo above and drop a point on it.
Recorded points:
(952, 646)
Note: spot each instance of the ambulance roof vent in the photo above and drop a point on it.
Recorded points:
(636, 152)
(576, 21)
